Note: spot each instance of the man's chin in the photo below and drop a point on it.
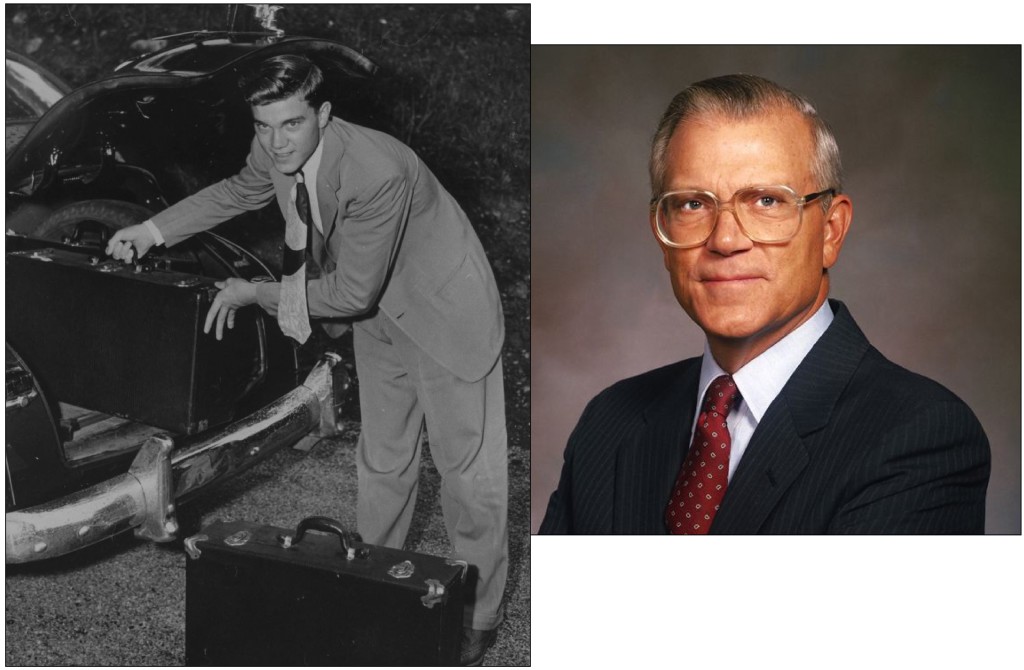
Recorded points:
(729, 322)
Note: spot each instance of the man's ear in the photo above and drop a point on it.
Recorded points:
(840, 214)
(323, 115)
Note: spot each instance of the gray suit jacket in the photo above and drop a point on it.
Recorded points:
(394, 240)
(852, 444)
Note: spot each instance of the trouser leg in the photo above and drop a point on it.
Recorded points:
(388, 451)
(469, 445)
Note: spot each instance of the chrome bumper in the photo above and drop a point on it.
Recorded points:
(161, 476)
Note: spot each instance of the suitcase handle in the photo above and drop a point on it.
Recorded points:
(327, 525)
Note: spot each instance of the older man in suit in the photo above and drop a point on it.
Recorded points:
(398, 257)
(791, 422)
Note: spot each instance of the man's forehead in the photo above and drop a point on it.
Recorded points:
(782, 133)
(782, 119)
(294, 106)
(719, 151)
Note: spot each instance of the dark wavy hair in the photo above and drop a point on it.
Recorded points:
(281, 77)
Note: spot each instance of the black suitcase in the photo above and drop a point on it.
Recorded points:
(260, 595)
(105, 336)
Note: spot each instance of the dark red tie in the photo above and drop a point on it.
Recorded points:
(705, 474)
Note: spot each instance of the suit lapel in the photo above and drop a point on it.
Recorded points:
(328, 183)
(774, 458)
(646, 470)
(777, 452)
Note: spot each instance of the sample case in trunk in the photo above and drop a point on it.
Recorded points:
(260, 595)
(128, 340)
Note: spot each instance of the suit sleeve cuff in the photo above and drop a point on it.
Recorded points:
(154, 231)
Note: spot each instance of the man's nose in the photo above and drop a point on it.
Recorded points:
(277, 139)
(728, 237)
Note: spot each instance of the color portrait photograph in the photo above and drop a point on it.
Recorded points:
(837, 229)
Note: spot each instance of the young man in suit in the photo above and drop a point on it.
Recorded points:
(790, 422)
(398, 258)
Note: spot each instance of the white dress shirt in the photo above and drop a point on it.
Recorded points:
(309, 172)
(761, 380)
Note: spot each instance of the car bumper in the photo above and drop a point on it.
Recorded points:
(162, 476)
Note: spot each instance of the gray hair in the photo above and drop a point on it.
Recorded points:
(743, 96)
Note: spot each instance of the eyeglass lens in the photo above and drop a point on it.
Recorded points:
(767, 214)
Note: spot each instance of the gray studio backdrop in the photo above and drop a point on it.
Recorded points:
(931, 268)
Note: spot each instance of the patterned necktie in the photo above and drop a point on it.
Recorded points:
(292, 310)
(702, 479)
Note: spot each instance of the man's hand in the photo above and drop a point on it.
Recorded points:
(234, 293)
(138, 236)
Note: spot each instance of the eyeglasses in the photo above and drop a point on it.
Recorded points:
(769, 214)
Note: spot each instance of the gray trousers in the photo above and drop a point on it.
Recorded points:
(400, 387)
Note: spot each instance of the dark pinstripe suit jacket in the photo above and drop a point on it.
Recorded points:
(852, 444)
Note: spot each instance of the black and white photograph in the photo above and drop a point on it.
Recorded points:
(267, 335)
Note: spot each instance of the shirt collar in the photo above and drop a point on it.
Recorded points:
(761, 380)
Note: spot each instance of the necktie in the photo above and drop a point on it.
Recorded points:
(705, 474)
(292, 310)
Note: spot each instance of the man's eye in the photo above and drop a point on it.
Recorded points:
(294, 124)
(690, 205)
(262, 127)
(767, 200)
